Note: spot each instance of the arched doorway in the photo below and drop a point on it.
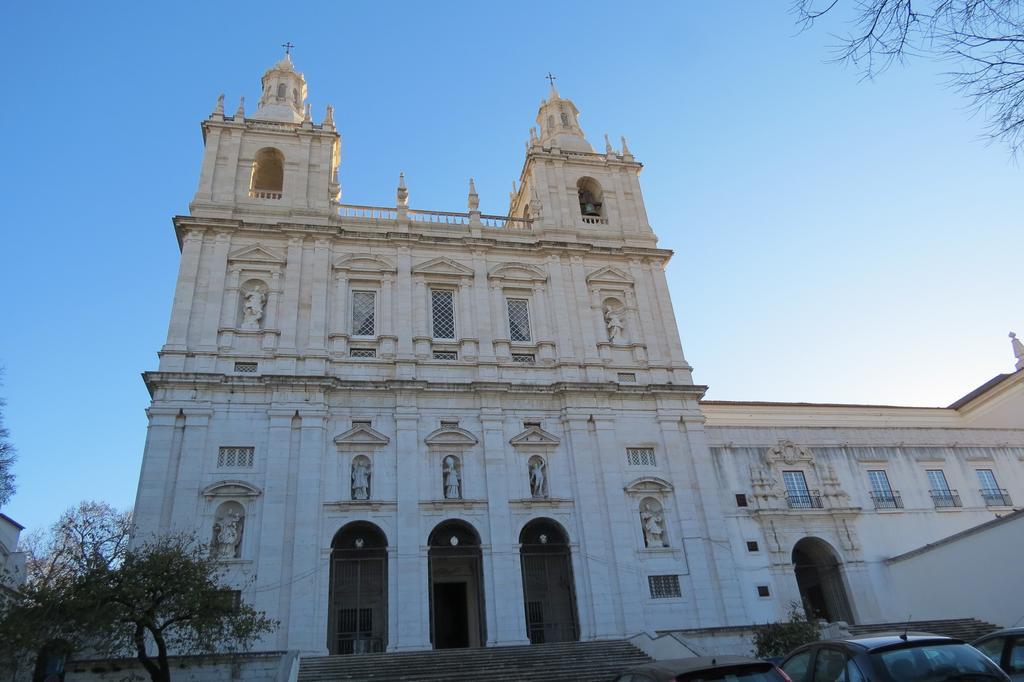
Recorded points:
(358, 617)
(820, 579)
(549, 596)
(456, 586)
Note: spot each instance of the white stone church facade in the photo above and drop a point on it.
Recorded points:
(405, 429)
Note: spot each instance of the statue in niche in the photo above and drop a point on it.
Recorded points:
(360, 479)
(538, 480)
(252, 312)
(452, 479)
(228, 534)
(653, 524)
(613, 321)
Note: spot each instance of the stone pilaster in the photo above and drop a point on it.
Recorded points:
(184, 292)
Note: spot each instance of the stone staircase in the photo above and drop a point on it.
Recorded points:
(591, 661)
(967, 629)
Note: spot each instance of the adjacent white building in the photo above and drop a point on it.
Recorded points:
(403, 429)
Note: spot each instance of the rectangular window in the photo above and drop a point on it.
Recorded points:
(640, 457)
(235, 457)
(362, 352)
(937, 481)
(518, 319)
(880, 482)
(741, 500)
(627, 378)
(988, 481)
(763, 591)
(881, 492)
(245, 367)
(363, 313)
(664, 586)
(797, 493)
(446, 355)
(232, 599)
(752, 546)
(442, 313)
(524, 358)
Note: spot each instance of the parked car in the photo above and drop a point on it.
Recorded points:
(1006, 649)
(705, 669)
(891, 658)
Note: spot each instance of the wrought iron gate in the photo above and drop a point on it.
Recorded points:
(549, 597)
(358, 604)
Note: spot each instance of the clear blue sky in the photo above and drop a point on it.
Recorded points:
(835, 240)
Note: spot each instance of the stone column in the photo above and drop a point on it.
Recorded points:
(586, 321)
(618, 517)
(273, 319)
(156, 476)
(184, 292)
(318, 308)
(666, 314)
(412, 576)
(506, 602)
(560, 312)
(193, 449)
(467, 328)
(484, 325)
(541, 324)
(205, 191)
(274, 558)
(595, 583)
(703, 486)
(303, 627)
(404, 303)
(215, 292)
(339, 311)
(229, 311)
(646, 306)
(288, 317)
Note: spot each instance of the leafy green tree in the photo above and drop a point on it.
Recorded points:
(89, 592)
(778, 639)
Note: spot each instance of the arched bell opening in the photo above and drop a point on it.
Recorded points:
(456, 586)
(591, 198)
(358, 617)
(549, 595)
(267, 174)
(819, 577)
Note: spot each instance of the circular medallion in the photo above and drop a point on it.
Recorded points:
(543, 539)
(454, 540)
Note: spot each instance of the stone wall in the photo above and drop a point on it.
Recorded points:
(271, 666)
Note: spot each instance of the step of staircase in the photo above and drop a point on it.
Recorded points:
(596, 661)
(967, 629)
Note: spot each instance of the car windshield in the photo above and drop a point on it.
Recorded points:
(936, 663)
(756, 672)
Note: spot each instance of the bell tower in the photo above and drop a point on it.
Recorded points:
(275, 165)
(572, 192)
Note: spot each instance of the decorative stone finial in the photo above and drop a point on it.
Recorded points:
(329, 118)
(307, 117)
(240, 111)
(219, 109)
(1018, 351)
(533, 135)
(474, 198)
(625, 147)
(403, 192)
(608, 146)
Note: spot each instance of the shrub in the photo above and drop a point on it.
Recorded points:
(778, 639)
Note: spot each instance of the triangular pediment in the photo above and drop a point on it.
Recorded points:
(231, 489)
(648, 484)
(363, 263)
(611, 275)
(535, 436)
(442, 266)
(520, 272)
(362, 436)
(256, 254)
(451, 436)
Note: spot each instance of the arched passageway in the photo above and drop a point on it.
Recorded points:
(456, 586)
(358, 616)
(819, 576)
(548, 592)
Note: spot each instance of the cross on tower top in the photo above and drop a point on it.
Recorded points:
(551, 79)
(287, 47)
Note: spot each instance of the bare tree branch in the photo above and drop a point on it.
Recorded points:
(984, 39)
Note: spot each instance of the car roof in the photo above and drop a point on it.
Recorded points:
(1001, 633)
(885, 640)
(677, 666)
